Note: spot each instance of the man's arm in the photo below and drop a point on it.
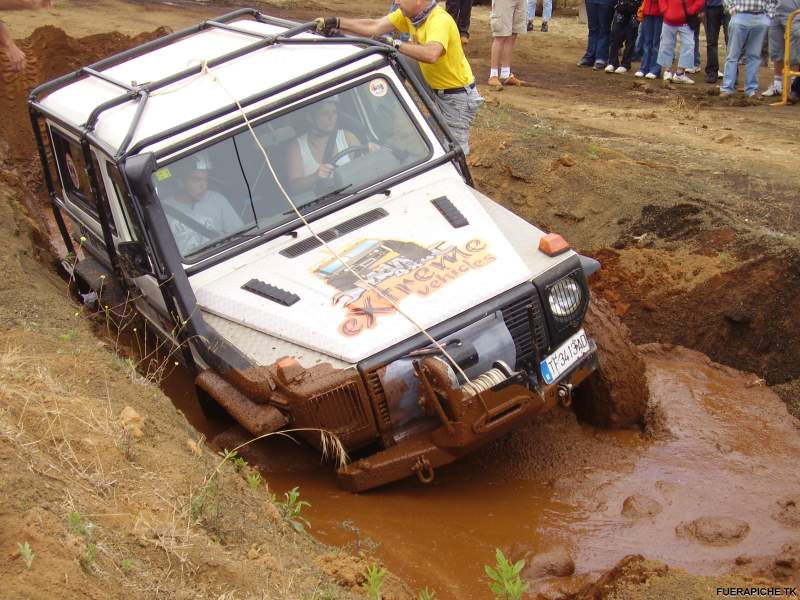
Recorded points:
(429, 53)
(16, 57)
(366, 27)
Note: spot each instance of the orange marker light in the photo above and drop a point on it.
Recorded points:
(553, 244)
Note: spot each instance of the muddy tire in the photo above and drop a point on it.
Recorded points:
(616, 395)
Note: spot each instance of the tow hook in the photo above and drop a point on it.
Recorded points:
(565, 393)
(423, 469)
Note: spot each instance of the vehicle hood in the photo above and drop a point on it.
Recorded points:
(427, 269)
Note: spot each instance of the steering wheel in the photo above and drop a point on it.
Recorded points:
(355, 149)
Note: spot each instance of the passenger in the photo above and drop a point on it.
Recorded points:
(210, 210)
(309, 155)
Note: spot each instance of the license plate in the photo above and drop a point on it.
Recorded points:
(567, 354)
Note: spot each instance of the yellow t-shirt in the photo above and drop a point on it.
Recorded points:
(452, 69)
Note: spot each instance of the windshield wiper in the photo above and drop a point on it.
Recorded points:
(332, 195)
(239, 235)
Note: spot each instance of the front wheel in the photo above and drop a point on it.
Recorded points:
(616, 394)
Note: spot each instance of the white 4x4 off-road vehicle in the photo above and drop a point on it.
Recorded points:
(387, 302)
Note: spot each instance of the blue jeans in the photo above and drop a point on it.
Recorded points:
(547, 9)
(745, 36)
(651, 38)
(599, 15)
(666, 49)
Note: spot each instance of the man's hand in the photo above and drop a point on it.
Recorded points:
(326, 25)
(325, 170)
(16, 57)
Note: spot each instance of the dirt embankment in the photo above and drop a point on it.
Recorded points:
(106, 491)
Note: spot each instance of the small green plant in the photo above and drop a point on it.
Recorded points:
(75, 523)
(89, 556)
(237, 461)
(254, 480)
(373, 581)
(26, 552)
(593, 151)
(69, 336)
(506, 583)
(426, 594)
(126, 565)
(292, 507)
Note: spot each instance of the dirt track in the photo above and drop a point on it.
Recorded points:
(692, 206)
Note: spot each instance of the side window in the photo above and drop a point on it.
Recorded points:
(73, 172)
(102, 190)
(125, 201)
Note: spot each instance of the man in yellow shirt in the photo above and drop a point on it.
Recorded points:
(436, 43)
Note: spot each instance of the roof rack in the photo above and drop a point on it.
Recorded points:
(142, 92)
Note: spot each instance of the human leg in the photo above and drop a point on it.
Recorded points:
(459, 111)
(605, 14)
(756, 30)
(547, 10)
(617, 37)
(696, 55)
(737, 32)
(666, 46)
(631, 29)
(592, 24)
(686, 58)
(712, 24)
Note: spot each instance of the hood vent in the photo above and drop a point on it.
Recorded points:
(346, 227)
(450, 212)
(270, 292)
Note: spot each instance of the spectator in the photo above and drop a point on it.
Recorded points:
(460, 10)
(747, 28)
(695, 25)
(677, 15)
(652, 20)
(507, 21)
(776, 32)
(624, 27)
(547, 12)
(16, 57)
(715, 18)
(437, 47)
(599, 14)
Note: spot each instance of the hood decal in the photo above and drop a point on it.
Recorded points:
(397, 269)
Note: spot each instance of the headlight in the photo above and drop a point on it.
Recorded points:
(565, 297)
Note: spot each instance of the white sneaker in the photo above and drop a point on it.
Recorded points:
(776, 89)
(620, 70)
(720, 74)
(682, 78)
(666, 76)
(651, 76)
(609, 68)
(693, 70)
(638, 74)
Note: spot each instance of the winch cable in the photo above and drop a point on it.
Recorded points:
(206, 71)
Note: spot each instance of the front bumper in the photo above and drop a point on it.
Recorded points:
(464, 424)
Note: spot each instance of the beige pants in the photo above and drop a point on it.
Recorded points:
(508, 16)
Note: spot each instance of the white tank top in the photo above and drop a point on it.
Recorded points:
(310, 164)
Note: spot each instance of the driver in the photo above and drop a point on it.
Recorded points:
(209, 210)
(309, 155)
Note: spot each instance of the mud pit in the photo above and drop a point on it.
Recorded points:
(710, 485)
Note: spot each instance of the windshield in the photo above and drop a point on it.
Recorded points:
(317, 154)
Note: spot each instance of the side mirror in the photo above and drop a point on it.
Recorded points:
(133, 259)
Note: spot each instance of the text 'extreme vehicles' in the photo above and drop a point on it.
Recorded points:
(291, 212)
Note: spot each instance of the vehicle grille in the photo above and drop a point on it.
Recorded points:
(340, 410)
(518, 322)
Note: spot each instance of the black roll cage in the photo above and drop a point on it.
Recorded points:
(136, 168)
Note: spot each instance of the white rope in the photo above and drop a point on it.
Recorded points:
(206, 71)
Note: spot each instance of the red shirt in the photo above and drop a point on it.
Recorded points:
(673, 10)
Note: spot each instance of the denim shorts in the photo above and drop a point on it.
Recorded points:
(459, 111)
(777, 28)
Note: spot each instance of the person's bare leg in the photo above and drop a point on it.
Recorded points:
(508, 50)
(498, 46)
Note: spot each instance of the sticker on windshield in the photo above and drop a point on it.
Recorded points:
(378, 87)
(398, 269)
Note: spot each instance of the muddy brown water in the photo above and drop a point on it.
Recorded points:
(719, 445)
